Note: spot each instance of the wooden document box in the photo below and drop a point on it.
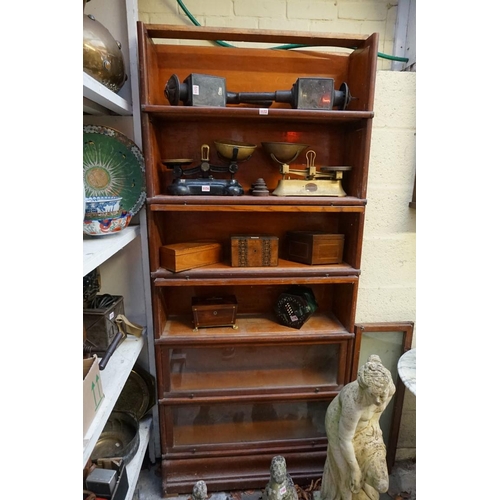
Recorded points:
(315, 247)
(254, 251)
(183, 256)
(214, 311)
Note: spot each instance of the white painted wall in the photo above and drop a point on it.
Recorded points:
(388, 283)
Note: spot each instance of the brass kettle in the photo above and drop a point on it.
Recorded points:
(102, 55)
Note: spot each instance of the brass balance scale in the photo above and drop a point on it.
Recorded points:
(325, 182)
(231, 152)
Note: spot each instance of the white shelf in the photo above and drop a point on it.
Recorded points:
(104, 98)
(98, 249)
(134, 466)
(113, 379)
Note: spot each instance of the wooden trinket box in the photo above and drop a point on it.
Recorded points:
(183, 256)
(254, 251)
(214, 311)
(315, 247)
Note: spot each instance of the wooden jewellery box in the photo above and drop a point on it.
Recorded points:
(183, 256)
(214, 311)
(314, 247)
(254, 251)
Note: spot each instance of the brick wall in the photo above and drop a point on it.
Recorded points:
(387, 284)
(387, 289)
(338, 16)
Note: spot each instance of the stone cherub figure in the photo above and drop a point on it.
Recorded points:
(199, 491)
(355, 467)
(280, 485)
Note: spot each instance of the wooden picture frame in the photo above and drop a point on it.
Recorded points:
(406, 329)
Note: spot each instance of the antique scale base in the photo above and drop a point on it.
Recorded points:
(205, 186)
(314, 187)
(230, 151)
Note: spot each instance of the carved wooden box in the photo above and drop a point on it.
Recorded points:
(254, 251)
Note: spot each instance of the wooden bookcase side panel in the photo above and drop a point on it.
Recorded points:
(154, 241)
(351, 226)
(148, 64)
(356, 150)
(149, 153)
(344, 304)
(152, 156)
(361, 75)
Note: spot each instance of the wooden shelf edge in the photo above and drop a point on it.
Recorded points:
(251, 203)
(240, 112)
(98, 249)
(102, 96)
(320, 328)
(230, 338)
(113, 379)
(253, 35)
(188, 399)
(285, 271)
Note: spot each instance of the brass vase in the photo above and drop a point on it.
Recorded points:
(102, 55)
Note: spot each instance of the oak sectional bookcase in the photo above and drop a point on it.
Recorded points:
(231, 398)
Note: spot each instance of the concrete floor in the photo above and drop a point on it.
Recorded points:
(402, 485)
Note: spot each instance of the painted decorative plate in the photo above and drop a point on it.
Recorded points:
(113, 165)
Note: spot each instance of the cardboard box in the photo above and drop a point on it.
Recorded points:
(183, 256)
(254, 251)
(314, 247)
(214, 311)
(93, 394)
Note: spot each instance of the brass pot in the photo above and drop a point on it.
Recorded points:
(102, 55)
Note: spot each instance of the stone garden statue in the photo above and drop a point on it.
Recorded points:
(199, 491)
(355, 467)
(280, 486)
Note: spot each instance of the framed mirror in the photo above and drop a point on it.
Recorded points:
(389, 341)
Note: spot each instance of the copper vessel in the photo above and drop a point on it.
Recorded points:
(102, 55)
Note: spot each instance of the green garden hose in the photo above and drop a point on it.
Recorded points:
(280, 47)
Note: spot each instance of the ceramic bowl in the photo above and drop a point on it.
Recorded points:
(101, 227)
(102, 207)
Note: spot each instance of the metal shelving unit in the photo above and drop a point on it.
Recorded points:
(115, 251)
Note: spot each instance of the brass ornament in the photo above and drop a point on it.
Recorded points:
(102, 55)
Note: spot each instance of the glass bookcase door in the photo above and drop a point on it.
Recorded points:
(250, 367)
(238, 423)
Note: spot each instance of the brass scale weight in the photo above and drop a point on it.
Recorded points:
(306, 93)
